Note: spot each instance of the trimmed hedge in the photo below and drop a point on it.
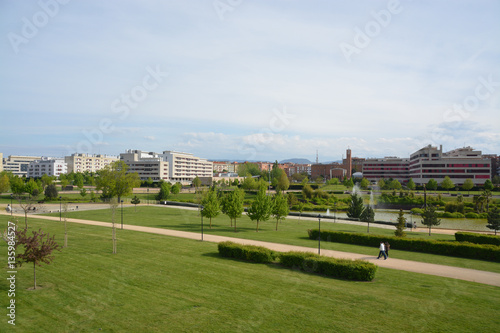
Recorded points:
(356, 270)
(477, 238)
(455, 249)
(257, 254)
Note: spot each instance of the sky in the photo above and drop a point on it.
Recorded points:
(249, 80)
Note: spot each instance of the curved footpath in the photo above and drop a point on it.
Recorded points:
(466, 274)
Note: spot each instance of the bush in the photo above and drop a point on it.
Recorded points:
(357, 270)
(456, 249)
(472, 215)
(257, 254)
(477, 238)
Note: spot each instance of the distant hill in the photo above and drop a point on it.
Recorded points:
(297, 160)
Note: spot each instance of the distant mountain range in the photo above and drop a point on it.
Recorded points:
(297, 160)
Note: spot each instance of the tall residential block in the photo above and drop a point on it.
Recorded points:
(87, 162)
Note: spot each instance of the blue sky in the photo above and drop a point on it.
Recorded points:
(249, 80)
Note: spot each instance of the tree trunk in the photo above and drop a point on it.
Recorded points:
(430, 230)
(277, 224)
(235, 225)
(34, 275)
(210, 223)
(257, 226)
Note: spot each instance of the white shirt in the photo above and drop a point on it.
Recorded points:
(382, 247)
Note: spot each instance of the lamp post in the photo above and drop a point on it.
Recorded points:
(148, 196)
(319, 234)
(201, 213)
(11, 208)
(122, 213)
(60, 209)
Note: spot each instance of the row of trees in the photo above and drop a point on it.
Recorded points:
(231, 204)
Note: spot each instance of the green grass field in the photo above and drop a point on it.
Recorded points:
(164, 284)
(291, 231)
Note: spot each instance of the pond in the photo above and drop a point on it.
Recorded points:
(446, 223)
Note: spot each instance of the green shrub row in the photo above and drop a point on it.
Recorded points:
(253, 253)
(477, 238)
(356, 270)
(455, 249)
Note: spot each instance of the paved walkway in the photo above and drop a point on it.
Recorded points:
(466, 274)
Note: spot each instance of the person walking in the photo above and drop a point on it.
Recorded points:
(387, 247)
(382, 251)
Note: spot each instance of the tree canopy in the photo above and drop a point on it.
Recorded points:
(261, 207)
(114, 181)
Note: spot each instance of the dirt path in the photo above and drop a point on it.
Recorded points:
(466, 274)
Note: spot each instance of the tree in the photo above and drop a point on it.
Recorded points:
(164, 191)
(381, 184)
(348, 183)
(32, 188)
(211, 206)
(233, 206)
(496, 180)
(283, 183)
(196, 182)
(4, 182)
(38, 249)
(176, 188)
(51, 192)
(114, 181)
(27, 204)
(280, 207)
(395, 184)
(364, 183)
(400, 227)
(135, 201)
(248, 168)
(494, 220)
(411, 185)
(16, 185)
(429, 218)
(307, 191)
(249, 182)
(468, 185)
(356, 206)
(368, 215)
(486, 198)
(488, 185)
(261, 207)
(432, 185)
(447, 184)
(83, 192)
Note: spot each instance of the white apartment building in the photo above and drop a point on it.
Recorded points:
(146, 164)
(184, 167)
(18, 165)
(1, 160)
(86, 162)
(47, 166)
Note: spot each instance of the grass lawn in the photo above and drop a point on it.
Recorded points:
(165, 284)
(291, 231)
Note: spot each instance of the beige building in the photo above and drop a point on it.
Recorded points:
(184, 167)
(18, 165)
(1, 162)
(146, 164)
(87, 162)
